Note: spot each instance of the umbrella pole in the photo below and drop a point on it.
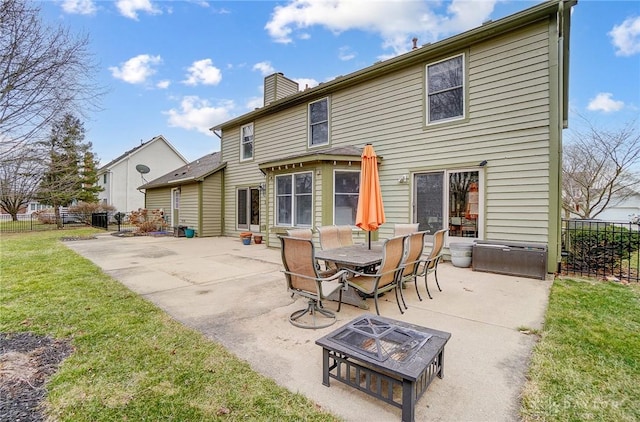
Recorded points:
(369, 233)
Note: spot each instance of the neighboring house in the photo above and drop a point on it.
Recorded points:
(622, 211)
(468, 131)
(191, 194)
(121, 177)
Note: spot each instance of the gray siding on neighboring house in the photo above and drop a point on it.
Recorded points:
(212, 205)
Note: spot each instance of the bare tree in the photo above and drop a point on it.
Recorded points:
(45, 72)
(599, 169)
(20, 175)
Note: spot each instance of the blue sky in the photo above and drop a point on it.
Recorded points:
(177, 68)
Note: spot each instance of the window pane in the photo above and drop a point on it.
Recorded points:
(318, 112)
(242, 207)
(303, 210)
(429, 205)
(346, 197)
(284, 210)
(246, 146)
(444, 75)
(320, 134)
(303, 183)
(247, 150)
(283, 185)
(463, 204)
(446, 104)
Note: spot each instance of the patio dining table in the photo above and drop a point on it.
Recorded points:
(357, 257)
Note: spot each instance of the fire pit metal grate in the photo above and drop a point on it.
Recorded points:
(381, 340)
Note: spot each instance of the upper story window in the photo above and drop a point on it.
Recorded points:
(294, 199)
(246, 142)
(319, 123)
(445, 90)
(104, 179)
(345, 204)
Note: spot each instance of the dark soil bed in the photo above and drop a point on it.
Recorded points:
(27, 360)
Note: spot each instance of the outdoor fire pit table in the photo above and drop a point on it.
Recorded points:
(380, 356)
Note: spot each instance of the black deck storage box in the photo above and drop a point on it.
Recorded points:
(511, 258)
(179, 231)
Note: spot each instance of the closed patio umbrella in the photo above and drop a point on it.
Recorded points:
(370, 215)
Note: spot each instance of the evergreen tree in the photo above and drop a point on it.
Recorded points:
(63, 181)
(89, 178)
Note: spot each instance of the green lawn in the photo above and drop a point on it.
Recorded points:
(586, 366)
(131, 361)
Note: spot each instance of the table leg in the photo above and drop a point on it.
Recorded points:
(408, 402)
(350, 297)
(441, 360)
(325, 367)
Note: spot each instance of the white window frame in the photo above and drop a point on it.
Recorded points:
(480, 219)
(319, 122)
(463, 86)
(335, 194)
(246, 140)
(294, 195)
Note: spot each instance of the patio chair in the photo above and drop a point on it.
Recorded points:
(332, 237)
(430, 264)
(300, 233)
(304, 279)
(414, 249)
(403, 229)
(387, 275)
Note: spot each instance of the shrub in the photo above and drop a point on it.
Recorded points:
(148, 221)
(601, 248)
(84, 210)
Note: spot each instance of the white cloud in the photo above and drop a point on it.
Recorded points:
(137, 69)
(198, 114)
(203, 72)
(255, 102)
(164, 84)
(395, 21)
(626, 37)
(264, 67)
(345, 54)
(130, 8)
(80, 7)
(305, 83)
(604, 102)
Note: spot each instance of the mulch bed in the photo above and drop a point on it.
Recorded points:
(27, 360)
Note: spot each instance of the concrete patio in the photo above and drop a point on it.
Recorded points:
(236, 295)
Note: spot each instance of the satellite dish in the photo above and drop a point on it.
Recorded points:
(142, 169)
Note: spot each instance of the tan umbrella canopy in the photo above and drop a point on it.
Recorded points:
(370, 215)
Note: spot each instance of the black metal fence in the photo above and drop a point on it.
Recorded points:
(601, 249)
(41, 222)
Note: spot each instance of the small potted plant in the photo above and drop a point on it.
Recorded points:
(246, 237)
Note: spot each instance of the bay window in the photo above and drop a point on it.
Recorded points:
(294, 199)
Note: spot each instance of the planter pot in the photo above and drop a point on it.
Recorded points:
(461, 254)
(189, 232)
(257, 239)
(246, 240)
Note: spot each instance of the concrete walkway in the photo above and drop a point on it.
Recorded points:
(236, 295)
